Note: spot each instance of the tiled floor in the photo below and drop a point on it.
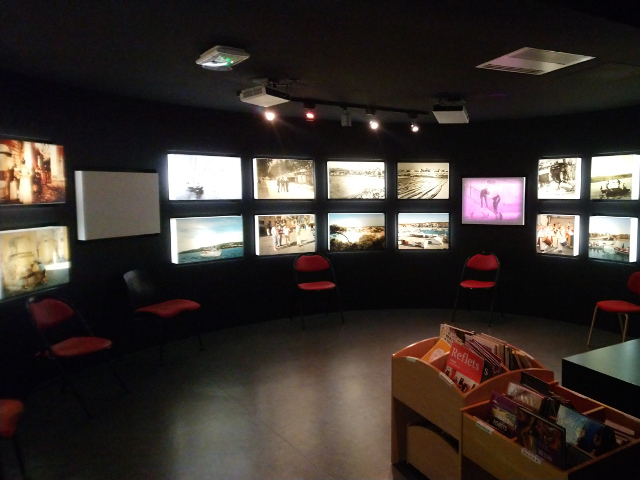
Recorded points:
(265, 401)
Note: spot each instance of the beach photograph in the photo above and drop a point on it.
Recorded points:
(423, 181)
(559, 178)
(283, 178)
(423, 231)
(205, 239)
(204, 177)
(285, 234)
(613, 238)
(558, 234)
(352, 232)
(615, 177)
(356, 180)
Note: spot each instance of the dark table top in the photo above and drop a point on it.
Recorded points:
(621, 361)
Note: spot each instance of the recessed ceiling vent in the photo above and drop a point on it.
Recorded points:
(533, 61)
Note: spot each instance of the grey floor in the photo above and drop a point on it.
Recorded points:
(264, 401)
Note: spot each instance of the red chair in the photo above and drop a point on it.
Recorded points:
(620, 307)
(314, 275)
(66, 336)
(10, 411)
(480, 272)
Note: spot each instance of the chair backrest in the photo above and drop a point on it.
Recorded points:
(141, 288)
(10, 410)
(48, 312)
(634, 283)
(311, 262)
(483, 261)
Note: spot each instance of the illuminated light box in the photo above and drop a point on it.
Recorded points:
(613, 238)
(204, 177)
(283, 179)
(615, 177)
(423, 231)
(559, 178)
(558, 234)
(33, 259)
(354, 232)
(203, 239)
(283, 234)
(423, 181)
(493, 200)
(116, 204)
(356, 180)
(31, 173)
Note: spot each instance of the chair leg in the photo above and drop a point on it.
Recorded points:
(340, 305)
(593, 321)
(455, 305)
(199, 331)
(626, 324)
(19, 457)
(76, 393)
(114, 372)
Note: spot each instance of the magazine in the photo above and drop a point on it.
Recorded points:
(587, 434)
(541, 436)
(440, 348)
(502, 415)
(526, 397)
(453, 334)
(464, 367)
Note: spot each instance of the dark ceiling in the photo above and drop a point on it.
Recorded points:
(398, 54)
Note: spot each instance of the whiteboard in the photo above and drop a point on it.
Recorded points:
(116, 204)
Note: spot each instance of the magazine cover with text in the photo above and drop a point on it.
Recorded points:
(464, 367)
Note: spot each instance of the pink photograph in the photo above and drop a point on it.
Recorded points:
(493, 200)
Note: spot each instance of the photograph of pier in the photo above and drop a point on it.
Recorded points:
(613, 238)
(423, 181)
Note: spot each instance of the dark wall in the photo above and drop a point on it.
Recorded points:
(107, 132)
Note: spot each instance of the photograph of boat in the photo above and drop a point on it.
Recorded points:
(615, 177)
(204, 177)
(201, 239)
(613, 238)
(211, 252)
(423, 231)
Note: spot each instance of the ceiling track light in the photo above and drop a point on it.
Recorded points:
(415, 128)
(373, 122)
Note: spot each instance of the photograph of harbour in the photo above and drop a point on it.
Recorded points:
(204, 239)
(356, 180)
(613, 238)
(31, 173)
(32, 259)
(423, 181)
(204, 177)
(558, 234)
(615, 177)
(493, 201)
(423, 231)
(285, 234)
(559, 178)
(283, 178)
(353, 232)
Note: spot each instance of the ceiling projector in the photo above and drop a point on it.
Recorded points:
(263, 96)
(222, 58)
(450, 114)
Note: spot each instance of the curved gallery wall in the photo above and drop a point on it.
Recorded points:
(100, 132)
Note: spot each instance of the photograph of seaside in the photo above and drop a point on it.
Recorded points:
(32, 259)
(493, 201)
(285, 234)
(423, 231)
(356, 180)
(558, 235)
(31, 173)
(613, 238)
(352, 232)
(203, 239)
(204, 177)
(283, 179)
(423, 181)
(615, 177)
(559, 178)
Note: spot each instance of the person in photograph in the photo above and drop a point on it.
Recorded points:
(302, 234)
(276, 239)
(298, 234)
(496, 202)
(484, 193)
(286, 184)
(280, 235)
(269, 228)
(286, 231)
(25, 184)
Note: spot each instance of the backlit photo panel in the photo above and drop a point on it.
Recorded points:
(285, 234)
(356, 180)
(615, 177)
(423, 181)
(558, 234)
(493, 200)
(352, 232)
(283, 179)
(559, 178)
(613, 238)
(205, 239)
(204, 177)
(423, 231)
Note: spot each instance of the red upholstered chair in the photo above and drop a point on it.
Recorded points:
(10, 411)
(147, 302)
(66, 336)
(480, 272)
(314, 275)
(621, 307)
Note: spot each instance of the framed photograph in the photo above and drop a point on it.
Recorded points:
(32, 259)
(283, 179)
(558, 234)
(615, 177)
(282, 234)
(31, 173)
(423, 181)
(351, 232)
(356, 180)
(204, 177)
(204, 239)
(426, 231)
(493, 201)
(613, 238)
(559, 178)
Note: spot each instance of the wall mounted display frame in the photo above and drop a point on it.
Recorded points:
(423, 231)
(204, 239)
(559, 178)
(615, 177)
(32, 259)
(283, 179)
(558, 234)
(423, 181)
(613, 238)
(204, 177)
(350, 232)
(285, 234)
(31, 173)
(356, 180)
(493, 200)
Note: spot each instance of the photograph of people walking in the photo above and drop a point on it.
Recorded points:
(283, 178)
(283, 234)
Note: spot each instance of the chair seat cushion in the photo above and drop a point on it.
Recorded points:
(10, 410)
(477, 284)
(618, 306)
(315, 286)
(170, 308)
(74, 346)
